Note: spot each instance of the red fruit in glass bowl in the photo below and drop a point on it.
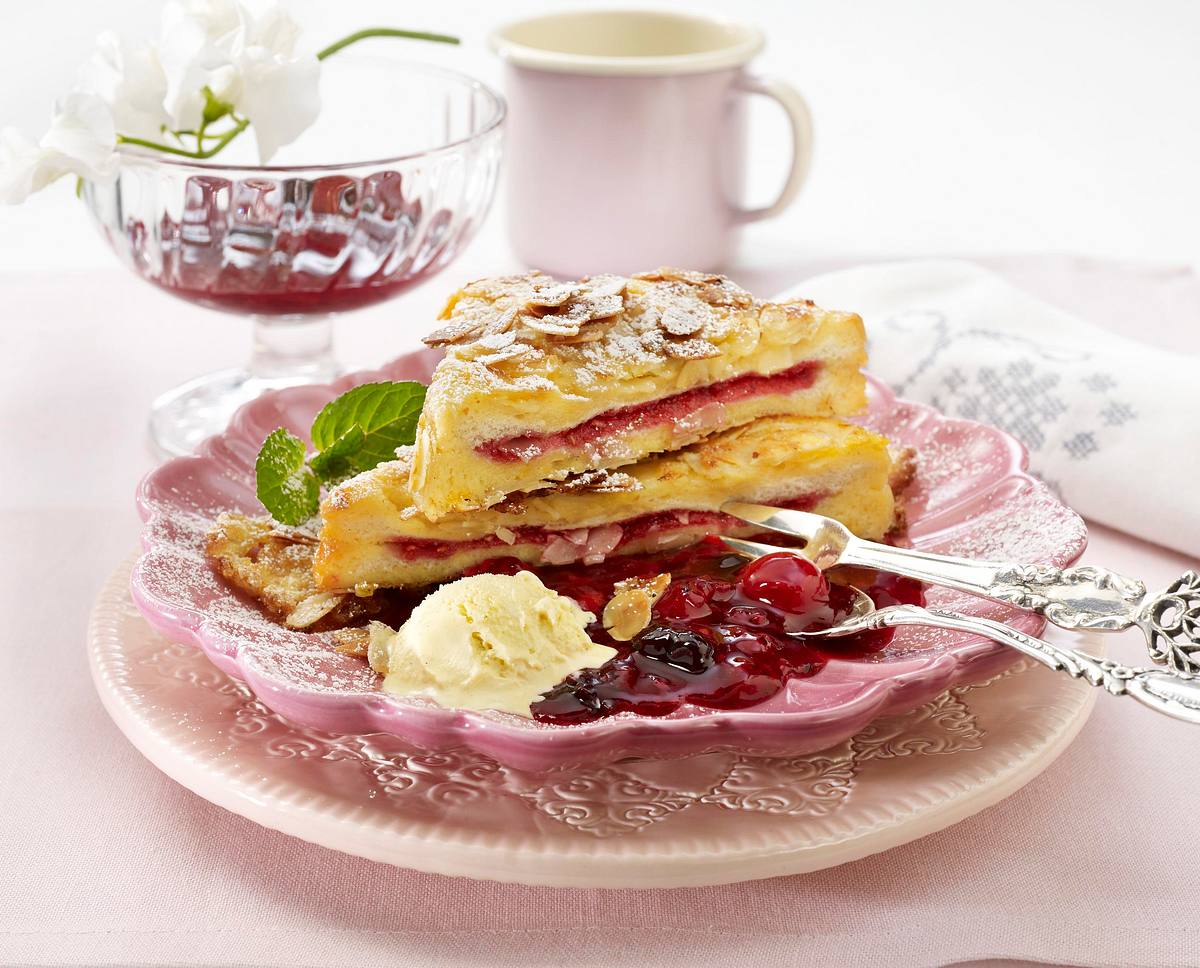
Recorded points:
(787, 582)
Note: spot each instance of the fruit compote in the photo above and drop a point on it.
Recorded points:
(718, 636)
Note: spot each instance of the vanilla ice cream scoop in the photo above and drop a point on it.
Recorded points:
(486, 642)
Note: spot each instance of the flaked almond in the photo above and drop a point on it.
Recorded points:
(690, 349)
(595, 482)
(474, 323)
(711, 288)
(274, 566)
(352, 642)
(671, 274)
(312, 610)
(551, 295)
(628, 611)
(680, 321)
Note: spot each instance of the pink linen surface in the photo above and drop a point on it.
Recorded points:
(105, 861)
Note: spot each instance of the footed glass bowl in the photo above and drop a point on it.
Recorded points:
(290, 246)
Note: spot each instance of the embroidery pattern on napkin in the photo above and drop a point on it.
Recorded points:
(1044, 395)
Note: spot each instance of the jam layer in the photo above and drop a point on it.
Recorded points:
(625, 420)
(614, 536)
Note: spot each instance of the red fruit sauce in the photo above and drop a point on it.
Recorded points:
(675, 409)
(284, 294)
(717, 637)
(632, 529)
(289, 246)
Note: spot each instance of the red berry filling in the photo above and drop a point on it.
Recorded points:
(679, 408)
(717, 637)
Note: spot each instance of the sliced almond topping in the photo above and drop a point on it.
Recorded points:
(274, 566)
(671, 274)
(552, 295)
(593, 302)
(597, 481)
(690, 349)
(683, 320)
(352, 642)
(514, 351)
(312, 610)
(468, 325)
(628, 611)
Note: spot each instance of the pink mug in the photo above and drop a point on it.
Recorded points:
(626, 143)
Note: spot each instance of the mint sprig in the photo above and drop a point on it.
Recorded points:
(359, 430)
(364, 426)
(287, 486)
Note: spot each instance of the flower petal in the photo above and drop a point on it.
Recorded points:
(19, 161)
(197, 45)
(83, 135)
(131, 81)
(280, 97)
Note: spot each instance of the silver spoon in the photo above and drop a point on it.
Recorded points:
(1084, 597)
(1177, 694)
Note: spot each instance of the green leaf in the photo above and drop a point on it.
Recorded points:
(363, 427)
(337, 462)
(286, 485)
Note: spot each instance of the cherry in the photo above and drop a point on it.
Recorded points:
(680, 648)
(695, 598)
(717, 637)
(787, 582)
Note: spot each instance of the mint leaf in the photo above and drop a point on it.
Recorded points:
(338, 462)
(286, 485)
(359, 430)
(363, 427)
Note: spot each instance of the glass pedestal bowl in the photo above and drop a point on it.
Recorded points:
(292, 245)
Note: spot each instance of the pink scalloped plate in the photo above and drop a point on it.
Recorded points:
(971, 496)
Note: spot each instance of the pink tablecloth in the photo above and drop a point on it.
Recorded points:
(105, 861)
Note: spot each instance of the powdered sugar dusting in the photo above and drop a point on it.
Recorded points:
(970, 496)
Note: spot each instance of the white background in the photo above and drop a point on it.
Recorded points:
(943, 126)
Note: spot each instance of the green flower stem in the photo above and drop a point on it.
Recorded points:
(202, 135)
(358, 35)
(199, 153)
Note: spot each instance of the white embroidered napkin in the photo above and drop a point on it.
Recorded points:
(1110, 423)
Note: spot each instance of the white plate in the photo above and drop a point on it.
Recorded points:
(708, 819)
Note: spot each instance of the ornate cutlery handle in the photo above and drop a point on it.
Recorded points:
(1175, 694)
(1084, 597)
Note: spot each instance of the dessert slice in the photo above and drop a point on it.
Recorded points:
(543, 379)
(372, 535)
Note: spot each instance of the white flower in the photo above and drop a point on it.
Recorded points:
(280, 89)
(195, 48)
(245, 60)
(82, 141)
(207, 50)
(132, 82)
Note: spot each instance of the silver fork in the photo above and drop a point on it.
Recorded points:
(1174, 694)
(1084, 597)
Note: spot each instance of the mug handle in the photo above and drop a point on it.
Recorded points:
(800, 119)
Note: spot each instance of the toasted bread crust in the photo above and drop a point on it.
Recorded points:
(273, 566)
(530, 354)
